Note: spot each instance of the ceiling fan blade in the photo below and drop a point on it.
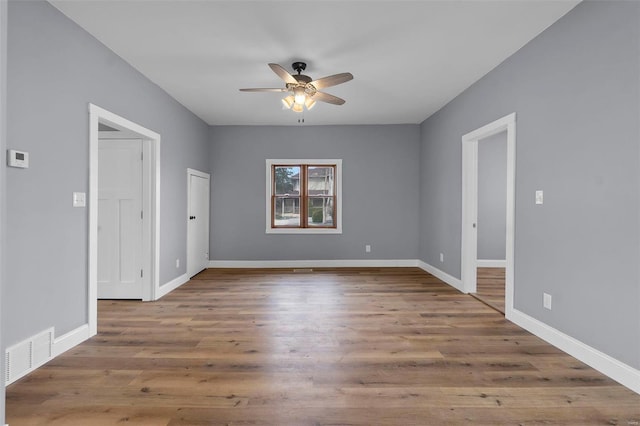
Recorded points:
(283, 74)
(325, 97)
(260, 89)
(332, 80)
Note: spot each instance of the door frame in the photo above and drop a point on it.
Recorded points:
(207, 176)
(151, 201)
(470, 205)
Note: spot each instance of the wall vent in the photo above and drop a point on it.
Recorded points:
(26, 356)
(7, 367)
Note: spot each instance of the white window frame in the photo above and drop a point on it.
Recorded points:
(269, 187)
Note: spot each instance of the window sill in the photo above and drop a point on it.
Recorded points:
(304, 231)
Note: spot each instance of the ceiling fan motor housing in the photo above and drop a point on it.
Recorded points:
(299, 66)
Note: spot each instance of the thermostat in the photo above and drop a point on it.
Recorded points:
(18, 159)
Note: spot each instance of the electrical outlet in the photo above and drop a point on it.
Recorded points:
(441, 257)
(539, 196)
(546, 301)
(367, 248)
(177, 263)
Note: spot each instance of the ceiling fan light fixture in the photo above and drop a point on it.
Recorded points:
(309, 103)
(303, 90)
(288, 102)
(299, 96)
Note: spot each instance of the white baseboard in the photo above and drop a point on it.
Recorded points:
(611, 367)
(452, 281)
(491, 263)
(69, 340)
(171, 285)
(353, 263)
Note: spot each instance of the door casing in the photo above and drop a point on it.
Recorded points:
(151, 198)
(470, 205)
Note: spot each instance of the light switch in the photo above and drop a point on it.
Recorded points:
(546, 301)
(539, 197)
(79, 199)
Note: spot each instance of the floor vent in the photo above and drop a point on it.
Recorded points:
(302, 270)
(26, 356)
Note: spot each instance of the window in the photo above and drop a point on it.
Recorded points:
(304, 196)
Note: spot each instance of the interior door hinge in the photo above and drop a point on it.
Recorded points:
(141, 214)
(141, 274)
(142, 156)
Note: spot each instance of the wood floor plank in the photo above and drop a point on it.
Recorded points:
(353, 346)
(490, 287)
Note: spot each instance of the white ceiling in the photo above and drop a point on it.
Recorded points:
(408, 58)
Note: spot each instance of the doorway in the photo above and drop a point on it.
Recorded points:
(105, 121)
(470, 206)
(492, 225)
(198, 184)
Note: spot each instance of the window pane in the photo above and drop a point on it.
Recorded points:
(287, 180)
(320, 211)
(320, 180)
(286, 211)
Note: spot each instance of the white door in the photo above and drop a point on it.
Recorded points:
(197, 222)
(120, 219)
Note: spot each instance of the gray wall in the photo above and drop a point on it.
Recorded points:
(576, 92)
(54, 70)
(380, 191)
(492, 197)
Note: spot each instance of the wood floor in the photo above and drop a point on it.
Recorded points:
(332, 347)
(490, 287)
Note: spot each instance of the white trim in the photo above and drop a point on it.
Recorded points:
(99, 115)
(69, 340)
(172, 285)
(469, 235)
(616, 370)
(342, 263)
(338, 182)
(491, 263)
(198, 173)
(441, 275)
(611, 367)
(469, 241)
(303, 231)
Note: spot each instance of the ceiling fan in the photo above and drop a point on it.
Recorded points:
(303, 91)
